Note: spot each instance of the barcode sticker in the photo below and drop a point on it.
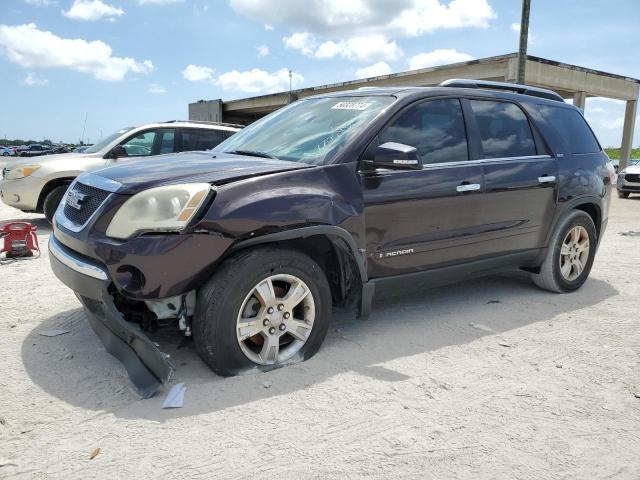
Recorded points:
(351, 106)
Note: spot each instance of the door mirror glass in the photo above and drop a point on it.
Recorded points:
(397, 156)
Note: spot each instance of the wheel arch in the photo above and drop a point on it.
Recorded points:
(49, 186)
(332, 247)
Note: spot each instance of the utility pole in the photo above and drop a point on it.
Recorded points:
(290, 84)
(84, 127)
(524, 34)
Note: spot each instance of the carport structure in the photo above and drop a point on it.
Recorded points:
(570, 81)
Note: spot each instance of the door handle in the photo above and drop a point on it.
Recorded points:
(546, 179)
(468, 187)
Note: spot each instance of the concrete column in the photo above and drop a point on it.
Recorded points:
(580, 100)
(627, 132)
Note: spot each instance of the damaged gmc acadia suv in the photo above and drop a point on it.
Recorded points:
(249, 247)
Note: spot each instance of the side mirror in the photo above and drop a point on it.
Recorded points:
(117, 152)
(397, 156)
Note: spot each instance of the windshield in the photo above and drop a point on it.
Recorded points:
(106, 141)
(310, 131)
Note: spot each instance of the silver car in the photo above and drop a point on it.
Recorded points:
(38, 184)
(629, 179)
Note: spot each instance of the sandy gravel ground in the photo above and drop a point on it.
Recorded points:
(487, 379)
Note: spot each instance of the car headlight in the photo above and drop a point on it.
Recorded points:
(21, 172)
(160, 209)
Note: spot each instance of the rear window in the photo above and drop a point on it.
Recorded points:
(572, 128)
(201, 139)
(504, 129)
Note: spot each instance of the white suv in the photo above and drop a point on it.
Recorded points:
(38, 184)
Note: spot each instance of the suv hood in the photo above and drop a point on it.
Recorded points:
(632, 169)
(191, 167)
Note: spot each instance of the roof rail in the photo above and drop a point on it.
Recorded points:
(222, 124)
(513, 87)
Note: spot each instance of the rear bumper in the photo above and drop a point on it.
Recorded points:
(146, 365)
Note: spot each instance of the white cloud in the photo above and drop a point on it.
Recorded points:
(441, 56)
(268, 28)
(197, 73)
(345, 19)
(612, 123)
(158, 2)
(35, 80)
(92, 10)
(366, 48)
(257, 80)
(156, 89)
(375, 70)
(30, 47)
(302, 41)
(38, 3)
(515, 27)
(263, 50)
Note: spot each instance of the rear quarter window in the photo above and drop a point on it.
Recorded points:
(571, 127)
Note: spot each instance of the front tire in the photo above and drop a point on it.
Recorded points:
(570, 254)
(52, 200)
(264, 307)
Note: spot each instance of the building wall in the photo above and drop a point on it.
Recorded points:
(206, 111)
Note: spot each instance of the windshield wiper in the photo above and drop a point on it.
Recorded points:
(252, 153)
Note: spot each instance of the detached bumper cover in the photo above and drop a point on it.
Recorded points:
(146, 365)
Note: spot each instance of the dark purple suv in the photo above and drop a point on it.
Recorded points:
(248, 247)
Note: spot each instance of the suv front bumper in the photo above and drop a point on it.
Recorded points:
(146, 365)
(627, 186)
(22, 193)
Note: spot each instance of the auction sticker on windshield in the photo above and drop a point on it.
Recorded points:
(351, 106)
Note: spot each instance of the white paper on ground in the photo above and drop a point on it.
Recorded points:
(175, 397)
(52, 333)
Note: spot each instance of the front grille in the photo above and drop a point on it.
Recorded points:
(94, 197)
(632, 177)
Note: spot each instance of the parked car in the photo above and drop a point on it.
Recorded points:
(616, 163)
(38, 186)
(629, 179)
(249, 247)
(35, 150)
(8, 151)
(81, 148)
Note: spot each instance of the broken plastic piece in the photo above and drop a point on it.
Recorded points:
(175, 397)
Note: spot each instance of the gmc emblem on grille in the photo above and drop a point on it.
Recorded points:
(75, 199)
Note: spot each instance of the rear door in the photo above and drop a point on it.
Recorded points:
(520, 177)
(418, 219)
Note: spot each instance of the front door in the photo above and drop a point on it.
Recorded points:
(418, 219)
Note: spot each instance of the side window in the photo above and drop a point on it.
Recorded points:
(152, 142)
(140, 145)
(201, 139)
(572, 128)
(504, 129)
(166, 143)
(435, 128)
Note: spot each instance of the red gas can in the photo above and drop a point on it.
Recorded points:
(19, 239)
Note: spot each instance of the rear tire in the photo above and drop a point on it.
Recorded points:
(566, 265)
(52, 200)
(233, 330)
(623, 194)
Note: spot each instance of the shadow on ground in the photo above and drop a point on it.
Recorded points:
(76, 368)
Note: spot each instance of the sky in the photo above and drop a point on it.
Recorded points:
(126, 62)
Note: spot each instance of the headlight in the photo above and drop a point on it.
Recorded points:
(161, 209)
(21, 172)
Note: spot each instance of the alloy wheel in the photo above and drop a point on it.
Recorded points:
(574, 253)
(275, 319)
